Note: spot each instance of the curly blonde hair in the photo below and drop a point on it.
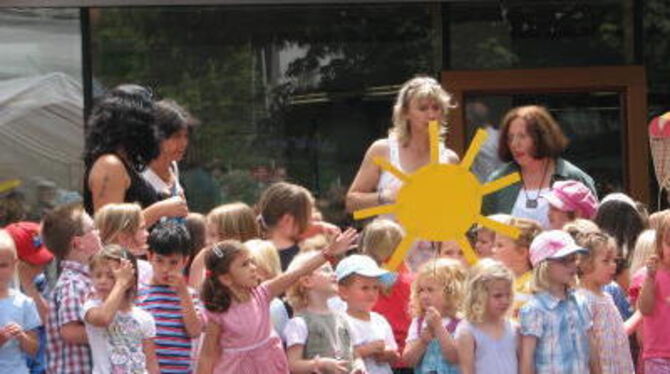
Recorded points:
(481, 276)
(447, 272)
(418, 88)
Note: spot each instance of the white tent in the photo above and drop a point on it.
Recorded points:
(42, 130)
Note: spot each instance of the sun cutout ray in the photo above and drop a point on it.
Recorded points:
(440, 202)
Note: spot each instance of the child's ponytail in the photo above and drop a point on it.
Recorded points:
(216, 296)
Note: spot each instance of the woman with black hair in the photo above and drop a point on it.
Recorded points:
(121, 140)
(174, 125)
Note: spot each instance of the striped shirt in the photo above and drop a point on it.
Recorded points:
(66, 303)
(174, 347)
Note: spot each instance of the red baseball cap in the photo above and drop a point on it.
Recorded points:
(28, 242)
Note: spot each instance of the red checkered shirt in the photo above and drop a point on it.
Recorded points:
(65, 305)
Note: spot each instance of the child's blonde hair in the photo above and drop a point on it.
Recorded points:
(661, 233)
(418, 88)
(297, 295)
(540, 280)
(114, 220)
(380, 238)
(528, 230)
(477, 291)
(233, 221)
(656, 218)
(580, 226)
(596, 244)
(265, 255)
(645, 246)
(445, 271)
(315, 243)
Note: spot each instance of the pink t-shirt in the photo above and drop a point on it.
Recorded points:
(246, 335)
(656, 327)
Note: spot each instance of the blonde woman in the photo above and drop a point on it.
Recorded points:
(407, 147)
(487, 340)
(124, 224)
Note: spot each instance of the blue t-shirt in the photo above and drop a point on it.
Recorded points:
(20, 309)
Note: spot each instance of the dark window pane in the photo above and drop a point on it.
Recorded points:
(530, 34)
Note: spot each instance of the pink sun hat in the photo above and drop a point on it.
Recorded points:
(573, 196)
(552, 244)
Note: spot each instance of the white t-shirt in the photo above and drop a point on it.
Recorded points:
(295, 332)
(118, 348)
(363, 332)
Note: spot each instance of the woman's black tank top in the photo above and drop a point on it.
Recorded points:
(139, 191)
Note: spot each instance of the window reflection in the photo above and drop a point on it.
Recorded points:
(295, 93)
(42, 111)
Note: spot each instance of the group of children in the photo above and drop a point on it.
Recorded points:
(210, 296)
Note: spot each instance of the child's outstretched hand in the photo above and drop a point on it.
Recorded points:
(342, 242)
(124, 274)
(652, 266)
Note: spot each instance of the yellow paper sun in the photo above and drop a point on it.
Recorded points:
(440, 202)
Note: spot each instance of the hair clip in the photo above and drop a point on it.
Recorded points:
(261, 221)
(217, 251)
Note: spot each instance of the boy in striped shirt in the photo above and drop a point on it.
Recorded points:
(172, 303)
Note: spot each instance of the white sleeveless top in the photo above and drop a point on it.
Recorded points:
(387, 179)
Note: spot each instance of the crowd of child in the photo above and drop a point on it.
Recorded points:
(277, 290)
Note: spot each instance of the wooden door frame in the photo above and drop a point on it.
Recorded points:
(630, 81)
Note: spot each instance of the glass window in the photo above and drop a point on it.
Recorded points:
(283, 92)
(535, 34)
(42, 111)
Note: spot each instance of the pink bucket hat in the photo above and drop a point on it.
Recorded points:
(553, 244)
(573, 196)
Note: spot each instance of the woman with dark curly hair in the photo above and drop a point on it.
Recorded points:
(121, 140)
(174, 125)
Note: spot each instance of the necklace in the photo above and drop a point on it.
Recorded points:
(531, 203)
